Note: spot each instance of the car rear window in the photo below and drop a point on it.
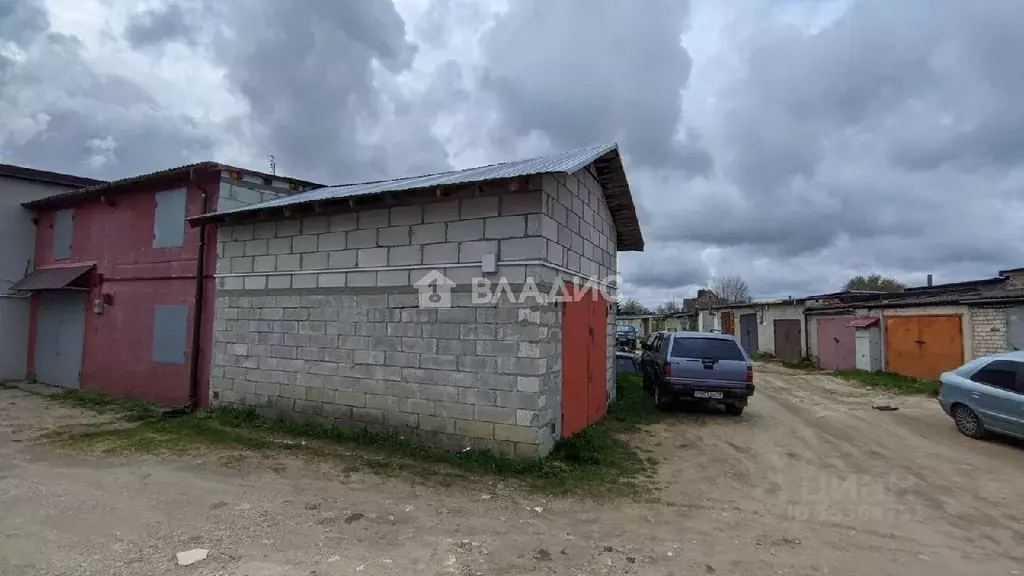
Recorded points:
(710, 348)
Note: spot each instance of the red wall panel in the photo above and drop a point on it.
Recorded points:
(575, 342)
(597, 391)
(584, 359)
(118, 237)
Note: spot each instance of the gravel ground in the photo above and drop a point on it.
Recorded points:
(810, 480)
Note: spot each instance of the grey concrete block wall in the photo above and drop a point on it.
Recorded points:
(470, 375)
(580, 236)
(317, 317)
(367, 245)
(250, 189)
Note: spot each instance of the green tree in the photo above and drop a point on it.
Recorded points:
(631, 306)
(874, 283)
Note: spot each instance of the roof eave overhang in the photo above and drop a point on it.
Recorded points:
(76, 197)
(312, 207)
(612, 175)
(58, 277)
(608, 170)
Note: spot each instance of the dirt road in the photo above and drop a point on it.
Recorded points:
(810, 480)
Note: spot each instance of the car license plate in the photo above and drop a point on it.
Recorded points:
(704, 394)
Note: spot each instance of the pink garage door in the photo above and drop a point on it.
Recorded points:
(836, 343)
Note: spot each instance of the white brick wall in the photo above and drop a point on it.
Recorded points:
(989, 328)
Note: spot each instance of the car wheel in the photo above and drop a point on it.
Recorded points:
(660, 401)
(967, 422)
(734, 409)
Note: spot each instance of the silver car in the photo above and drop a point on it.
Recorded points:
(986, 395)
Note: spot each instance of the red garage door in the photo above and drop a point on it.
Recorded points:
(837, 343)
(584, 359)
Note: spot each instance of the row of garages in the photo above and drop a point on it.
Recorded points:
(919, 333)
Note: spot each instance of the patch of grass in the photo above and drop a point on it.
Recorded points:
(805, 365)
(169, 435)
(893, 382)
(597, 461)
(132, 410)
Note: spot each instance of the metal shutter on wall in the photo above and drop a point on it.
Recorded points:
(170, 334)
(63, 232)
(169, 219)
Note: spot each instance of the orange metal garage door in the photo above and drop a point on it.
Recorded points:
(923, 346)
(584, 359)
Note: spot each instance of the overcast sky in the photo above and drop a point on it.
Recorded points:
(794, 143)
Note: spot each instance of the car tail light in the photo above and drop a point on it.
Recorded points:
(750, 373)
(668, 370)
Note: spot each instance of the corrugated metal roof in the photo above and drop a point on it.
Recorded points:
(96, 190)
(563, 162)
(25, 173)
(756, 303)
(605, 158)
(965, 285)
(863, 322)
(905, 300)
(53, 278)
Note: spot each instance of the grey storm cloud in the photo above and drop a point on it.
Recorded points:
(887, 137)
(587, 71)
(667, 268)
(160, 25)
(59, 113)
(21, 20)
(309, 83)
(890, 139)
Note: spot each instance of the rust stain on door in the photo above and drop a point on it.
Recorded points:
(728, 323)
(923, 346)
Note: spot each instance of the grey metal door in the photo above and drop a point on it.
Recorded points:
(748, 333)
(1015, 328)
(60, 337)
(787, 340)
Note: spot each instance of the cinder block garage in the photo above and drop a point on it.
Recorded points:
(366, 305)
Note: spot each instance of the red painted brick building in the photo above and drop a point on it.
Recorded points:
(116, 300)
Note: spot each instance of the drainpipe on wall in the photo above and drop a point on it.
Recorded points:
(197, 323)
(807, 339)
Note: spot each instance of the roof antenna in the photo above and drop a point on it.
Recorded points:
(273, 164)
